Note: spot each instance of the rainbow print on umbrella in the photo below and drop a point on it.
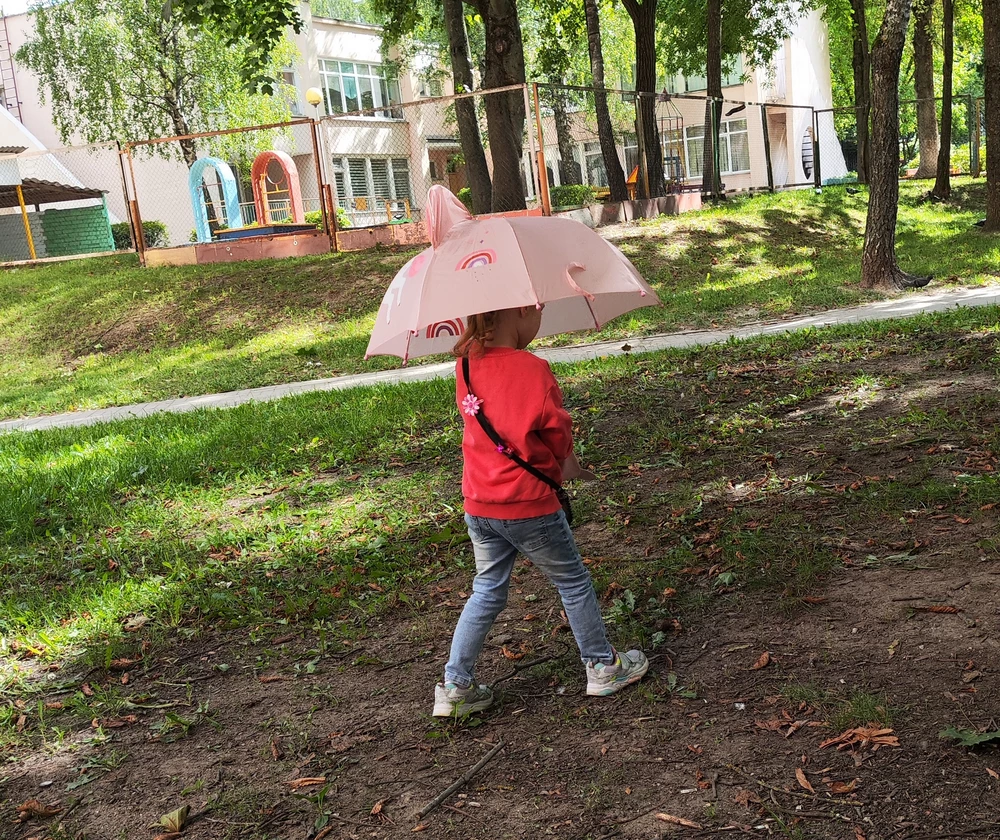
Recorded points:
(477, 259)
(453, 328)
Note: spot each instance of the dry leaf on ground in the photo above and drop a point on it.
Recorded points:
(174, 821)
(746, 798)
(800, 774)
(863, 737)
(762, 661)
(993, 773)
(670, 818)
(843, 787)
(34, 808)
(940, 609)
(308, 781)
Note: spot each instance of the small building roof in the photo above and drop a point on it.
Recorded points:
(37, 191)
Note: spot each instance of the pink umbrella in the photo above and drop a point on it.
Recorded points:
(480, 265)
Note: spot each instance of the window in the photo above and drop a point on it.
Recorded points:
(733, 77)
(734, 148)
(291, 92)
(631, 145)
(350, 86)
(364, 184)
(430, 88)
(597, 176)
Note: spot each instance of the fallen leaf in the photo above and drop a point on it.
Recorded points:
(970, 676)
(270, 678)
(944, 609)
(893, 648)
(511, 654)
(420, 827)
(307, 781)
(762, 662)
(276, 749)
(746, 798)
(843, 787)
(670, 818)
(122, 664)
(803, 781)
(814, 599)
(859, 834)
(87, 690)
(993, 773)
(963, 521)
(174, 821)
(863, 737)
(34, 808)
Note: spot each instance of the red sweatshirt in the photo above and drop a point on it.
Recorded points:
(523, 402)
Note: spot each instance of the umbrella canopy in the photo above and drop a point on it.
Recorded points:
(481, 265)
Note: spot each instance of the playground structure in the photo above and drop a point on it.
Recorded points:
(275, 182)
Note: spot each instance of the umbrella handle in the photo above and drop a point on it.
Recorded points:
(573, 283)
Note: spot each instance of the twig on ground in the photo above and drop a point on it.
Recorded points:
(524, 666)
(466, 776)
(756, 781)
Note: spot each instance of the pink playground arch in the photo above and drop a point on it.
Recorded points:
(262, 174)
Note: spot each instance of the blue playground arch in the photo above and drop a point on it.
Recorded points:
(230, 196)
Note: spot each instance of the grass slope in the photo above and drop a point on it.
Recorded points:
(94, 333)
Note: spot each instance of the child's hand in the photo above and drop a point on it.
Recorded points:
(571, 469)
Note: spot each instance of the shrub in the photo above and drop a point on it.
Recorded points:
(315, 217)
(465, 196)
(572, 195)
(154, 233)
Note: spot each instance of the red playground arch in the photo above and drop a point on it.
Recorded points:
(275, 178)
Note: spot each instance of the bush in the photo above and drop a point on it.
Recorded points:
(154, 233)
(465, 196)
(572, 195)
(315, 217)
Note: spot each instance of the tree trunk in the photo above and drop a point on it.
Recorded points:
(605, 133)
(711, 182)
(991, 51)
(942, 184)
(862, 67)
(569, 170)
(476, 169)
(505, 112)
(879, 268)
(923, 82)
(643, 15)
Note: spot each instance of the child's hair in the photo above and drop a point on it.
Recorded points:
(478, 331)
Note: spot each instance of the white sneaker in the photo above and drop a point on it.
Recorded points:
(627, 668)
(451, 700)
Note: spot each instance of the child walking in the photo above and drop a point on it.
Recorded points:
(518, 448)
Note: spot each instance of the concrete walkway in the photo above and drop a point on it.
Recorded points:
(911, 304)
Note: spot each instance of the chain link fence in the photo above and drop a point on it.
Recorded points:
(380, 162)
(762, 146)
(226, 185)
(62, 203)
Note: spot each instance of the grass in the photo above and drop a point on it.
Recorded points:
(119, 540)
(102, 332)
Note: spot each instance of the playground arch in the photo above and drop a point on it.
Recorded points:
(230, 196)
(261, 176)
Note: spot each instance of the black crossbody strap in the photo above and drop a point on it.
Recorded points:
(502, 447)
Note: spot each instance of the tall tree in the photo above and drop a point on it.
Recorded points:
(643, 16)
(923, 82)
(605, 133)
(465, 109)
(711, 182)
(991, 55)
(120, 70)
(861, 66)
(879, 268)
(942, 183)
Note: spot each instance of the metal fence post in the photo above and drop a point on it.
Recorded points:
(533, 156)
(817, 174)
(767, 148)
(543, 173)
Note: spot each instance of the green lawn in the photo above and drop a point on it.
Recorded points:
(101, 332)
(329, 508)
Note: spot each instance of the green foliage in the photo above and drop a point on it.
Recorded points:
(255, 29)
(969, 737)
(572, 195)
(154, 233)
(465, 196)
(117, 70)
(315, 217)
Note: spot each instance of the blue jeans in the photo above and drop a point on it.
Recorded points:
(548, 542)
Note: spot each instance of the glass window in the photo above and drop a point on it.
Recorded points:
(291, 92)
(631, 146)
(597, 175)
(734, 147)
(380, 178)
(349, 87)
(401, 177)
(358, 170)
(694, 146)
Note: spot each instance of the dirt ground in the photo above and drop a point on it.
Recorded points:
(293, 735)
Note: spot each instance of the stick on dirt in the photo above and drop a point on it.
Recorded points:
(466, 776)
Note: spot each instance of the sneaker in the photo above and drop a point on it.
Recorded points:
(451, 700)
(627, 668)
